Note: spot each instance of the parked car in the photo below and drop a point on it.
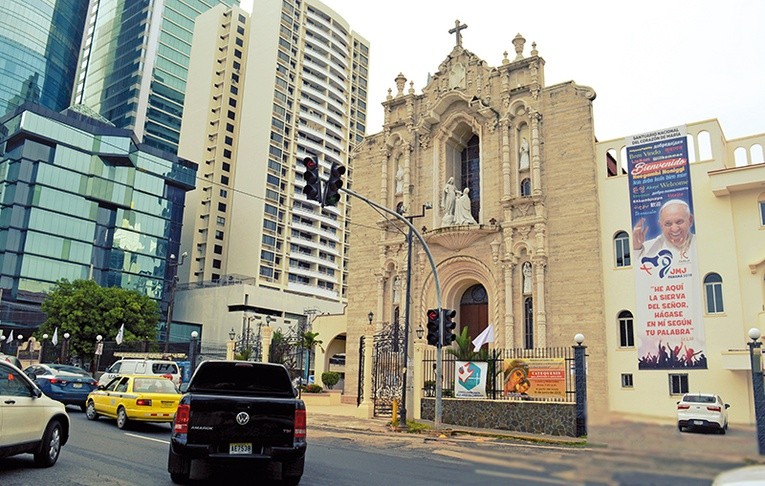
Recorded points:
(11, 359)
(31, 422)
(68, 384)
(143, 398)
(702, 410)
(741, 476)
(132, 366)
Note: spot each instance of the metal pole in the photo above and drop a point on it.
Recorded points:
(174, 282)
(437, 284)
(580, 387)
(758, 389)
(402, 418)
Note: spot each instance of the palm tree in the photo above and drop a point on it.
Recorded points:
(308, 342)
(464, 352)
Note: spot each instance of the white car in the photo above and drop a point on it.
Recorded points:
(702, 410)
(31, 423)
(742, 476)
(132, 366)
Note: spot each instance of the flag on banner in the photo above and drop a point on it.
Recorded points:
(54, 339)
(10, 338)
(120, 334)
(487, 336)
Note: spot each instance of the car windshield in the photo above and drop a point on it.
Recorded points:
(160, 368)
(699, 399)
(69, 369)
(244, 377)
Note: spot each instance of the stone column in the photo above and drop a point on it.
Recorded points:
(406, 149)
(418, 381)
(506, 170)
(230, 349)
(536, 175)
(539, 304)
(367, 407)
(507, 333)
(265, 340)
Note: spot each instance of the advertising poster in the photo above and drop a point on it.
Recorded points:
(668, 329)
(470, 379)
(535, 378)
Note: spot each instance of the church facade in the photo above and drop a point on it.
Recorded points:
(496, 170)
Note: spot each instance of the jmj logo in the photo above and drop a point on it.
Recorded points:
(469, 375)
(662, 261)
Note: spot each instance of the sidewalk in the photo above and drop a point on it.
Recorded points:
(620, 436)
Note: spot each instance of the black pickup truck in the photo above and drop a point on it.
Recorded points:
(240, 413)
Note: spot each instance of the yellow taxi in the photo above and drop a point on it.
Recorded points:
(134, 397)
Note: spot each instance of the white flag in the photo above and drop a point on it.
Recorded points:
(10, 338)
(54, 339)
(487, 336)
(120, 334)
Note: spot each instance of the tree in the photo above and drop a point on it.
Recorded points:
(281, 350)
(308, 342)
(84, 309)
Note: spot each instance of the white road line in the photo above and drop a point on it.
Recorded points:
(523, 478)
(147, 438)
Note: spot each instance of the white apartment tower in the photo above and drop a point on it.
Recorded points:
(264, 91)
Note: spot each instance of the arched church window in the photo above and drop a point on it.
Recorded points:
(471, 174)
(526, 187)
(528, 323)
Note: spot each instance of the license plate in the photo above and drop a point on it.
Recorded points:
(167, 404)
(698, 422)
(240, 448)
(76, 385)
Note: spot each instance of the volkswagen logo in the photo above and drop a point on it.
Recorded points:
(242, 418)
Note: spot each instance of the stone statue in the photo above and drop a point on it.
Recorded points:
(400, 180)
(462, 214)
(448, 202)
(396, 290)
(527, 278)
(524, 155)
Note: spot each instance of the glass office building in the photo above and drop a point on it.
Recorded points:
(81, 199)
(39, 46)
(134, 63)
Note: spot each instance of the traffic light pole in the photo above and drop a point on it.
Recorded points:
(439, 358)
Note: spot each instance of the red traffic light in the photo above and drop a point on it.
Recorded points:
(309, 163)
(432, 315)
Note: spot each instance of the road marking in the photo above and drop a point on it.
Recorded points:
(147, 438)
(523, 478)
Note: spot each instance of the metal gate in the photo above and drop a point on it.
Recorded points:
(387, 367)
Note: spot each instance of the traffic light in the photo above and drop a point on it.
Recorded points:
(449, 326)
(433, 327)
(335, 182)
(312, 188)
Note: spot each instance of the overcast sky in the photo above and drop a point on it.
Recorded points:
(653, 64)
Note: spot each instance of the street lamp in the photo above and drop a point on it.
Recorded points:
(193, 350)
(370, 316)
(19, 339)
(64, 345)
(42, 347)
(269, 320)
(580, 385)
(173, 282)
(99, 351)
(758, 388)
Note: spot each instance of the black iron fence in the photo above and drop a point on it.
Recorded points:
(500, 364)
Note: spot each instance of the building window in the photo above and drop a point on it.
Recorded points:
(528, 323)
(470, 166)
(222, 207)
(627, 380)
(226, 167)
(229, 127)
(235, 77)
(526, 187)
(678, 384)
(713, 293)
(229, 140)
(240, 41)
(231, 115)
(232, 102)
(626, 330)
(216, 263)
(242, 18)
(224, 180)
(223, 193)
(221, 221)
(234, 90)
(227, 153)
(218, 235)
(622, 249)
(218, 249)
(762, 211)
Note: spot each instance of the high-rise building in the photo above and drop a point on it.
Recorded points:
(39, 45)
(264, 92)
(133, 65)
(82, 199)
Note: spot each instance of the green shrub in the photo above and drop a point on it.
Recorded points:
(313, 388)
(330, 378)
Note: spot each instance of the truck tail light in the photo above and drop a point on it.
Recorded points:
(300, 424)
(683, 407)
(168, 376)
(713, 408)
(182, 415)
(143, 402)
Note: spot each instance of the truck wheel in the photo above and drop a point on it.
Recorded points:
(122, 420)
(50, 448)
(179, 478)
(90, 411)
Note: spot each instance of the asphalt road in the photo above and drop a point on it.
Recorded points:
(101, 454)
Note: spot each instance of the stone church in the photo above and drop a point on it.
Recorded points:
(497, 172)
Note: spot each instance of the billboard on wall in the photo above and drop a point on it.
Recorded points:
(534, 378)
(669, 330)
(470, 379)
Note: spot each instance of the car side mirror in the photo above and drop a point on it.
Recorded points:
(32, 375)
(184, 387)
(101, 387)
(36, 392)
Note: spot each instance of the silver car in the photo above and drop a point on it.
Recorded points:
(702, 410)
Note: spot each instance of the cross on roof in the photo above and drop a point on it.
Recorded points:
(456, 30)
